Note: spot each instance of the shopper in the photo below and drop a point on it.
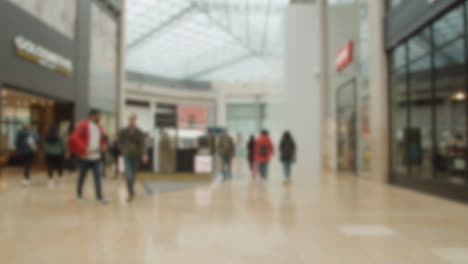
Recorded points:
(26, 145)
(226, 150)
(263, 153)
(104, 158)
(54, 149)
(287, 153)
(72, 149)
(115, 153)
(131, 142)
(90, 142)
(250, 154)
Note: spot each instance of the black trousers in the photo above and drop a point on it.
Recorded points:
(27, 164)
(54, 163)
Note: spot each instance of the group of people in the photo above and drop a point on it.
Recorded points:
(85, 146)
(260, 152)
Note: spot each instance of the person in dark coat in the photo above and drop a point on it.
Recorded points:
(287, 153)
(131, 142)
(250, 154)
(26, 143)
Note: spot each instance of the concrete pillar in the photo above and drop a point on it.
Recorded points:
(121, 67)
(378, 92)
(302, 104)
(82, 50)
(324, 82)
(221, 109)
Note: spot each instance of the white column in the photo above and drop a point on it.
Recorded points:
(378, 92)
(302, 82)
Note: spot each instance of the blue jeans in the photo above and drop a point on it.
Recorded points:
(94, 165)
(287, 169)
(263, 168)
(131, 168)
(226, 167)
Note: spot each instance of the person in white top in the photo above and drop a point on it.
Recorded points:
(90, 141)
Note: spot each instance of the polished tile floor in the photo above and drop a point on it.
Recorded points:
(316, 219)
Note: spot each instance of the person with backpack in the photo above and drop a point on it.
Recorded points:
(287, 153)
(263, 152)
(54, 148)
(26, 144)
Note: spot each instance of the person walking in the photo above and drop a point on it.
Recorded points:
(131, 142)
(54, 149)
(90, 142)
(226, 151)
(26, 144)
(72, 149)
(263, 152)
(250, 154)
(115, 153)
(287, 154)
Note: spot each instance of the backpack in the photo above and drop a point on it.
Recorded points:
(263, 150)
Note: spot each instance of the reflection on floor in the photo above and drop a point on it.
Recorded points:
(155, 187)
(315, 219)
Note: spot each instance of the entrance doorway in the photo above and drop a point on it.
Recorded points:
(346, 127)
(18, 108)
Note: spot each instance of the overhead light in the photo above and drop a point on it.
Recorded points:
(459, 96)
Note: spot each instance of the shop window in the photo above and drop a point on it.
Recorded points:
(418, 136)
(448, 28)
(450, 104)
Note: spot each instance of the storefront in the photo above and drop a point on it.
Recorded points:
(50, 70)
(348, 81)
(428, 90)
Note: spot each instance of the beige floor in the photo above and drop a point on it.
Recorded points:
(327, 219)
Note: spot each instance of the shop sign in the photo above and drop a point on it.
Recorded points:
(344, 56)
(31, 51)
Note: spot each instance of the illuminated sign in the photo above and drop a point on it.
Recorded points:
(31, 51)
(344, 56)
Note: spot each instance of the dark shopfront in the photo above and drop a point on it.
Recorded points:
(428, 90)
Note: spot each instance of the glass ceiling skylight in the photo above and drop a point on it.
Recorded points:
(212, 40)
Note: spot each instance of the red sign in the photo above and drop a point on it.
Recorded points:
(344, 56)
(193, 117)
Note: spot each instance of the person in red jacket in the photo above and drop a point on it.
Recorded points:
(263, 152)
(89, 142)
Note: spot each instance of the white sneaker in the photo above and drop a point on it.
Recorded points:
(62, 181)
(26, 182)
(103, 201)
(51, 183)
